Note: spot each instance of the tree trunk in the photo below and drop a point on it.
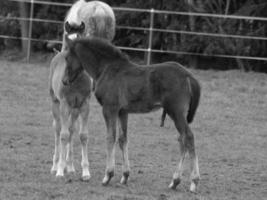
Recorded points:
(24, 25)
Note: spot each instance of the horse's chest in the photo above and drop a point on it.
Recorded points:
(74, 99)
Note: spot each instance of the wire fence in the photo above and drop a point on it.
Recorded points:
(151, 29)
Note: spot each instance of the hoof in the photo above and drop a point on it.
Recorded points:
(59, 176)
(174, 183)
(107, 178)
(86, 178)
(124, 178)
(193, 186)
(60, 173)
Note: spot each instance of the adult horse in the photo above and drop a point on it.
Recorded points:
(68, 104)
(94, 18)
(123, 87)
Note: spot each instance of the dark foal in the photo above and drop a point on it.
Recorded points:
(123, 87)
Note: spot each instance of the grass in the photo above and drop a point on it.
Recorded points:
(230, 131)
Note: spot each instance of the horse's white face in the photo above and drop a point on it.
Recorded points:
(73, 36)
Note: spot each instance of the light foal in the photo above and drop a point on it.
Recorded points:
(70, 109)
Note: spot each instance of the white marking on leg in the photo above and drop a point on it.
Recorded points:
(64, 138)
(56, 125)
(84, 141)
(69, 157)
(110, 116)
(177, 176)
(123, 144)
(195, 176)
(179, 171)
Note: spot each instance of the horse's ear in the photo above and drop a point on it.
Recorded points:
(82, 27)
(67, 27)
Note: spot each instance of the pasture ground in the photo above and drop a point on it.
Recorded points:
(230, 130)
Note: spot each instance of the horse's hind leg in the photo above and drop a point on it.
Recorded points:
(123, 144)
(187, 144)
(195, 176)
(84, 112)
(110, 116)
(181, 127)
(57, 126)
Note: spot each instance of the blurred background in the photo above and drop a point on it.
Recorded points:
(204, 34)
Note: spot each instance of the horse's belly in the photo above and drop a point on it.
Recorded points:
(143, 107)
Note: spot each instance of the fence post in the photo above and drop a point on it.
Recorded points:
(30, 32)
(150, 36)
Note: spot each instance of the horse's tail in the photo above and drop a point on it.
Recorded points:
(195, 90)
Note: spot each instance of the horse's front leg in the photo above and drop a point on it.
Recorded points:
(64, 137)
(84, 112)
(110, 116)
(72, 129)
(57, 126)
(123, 143)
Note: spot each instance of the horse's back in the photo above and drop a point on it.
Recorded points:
(76, 93)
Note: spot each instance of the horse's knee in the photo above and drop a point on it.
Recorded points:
(83, 138)
(189, 141)
(122, 141)
(65, 137)
(57, 125)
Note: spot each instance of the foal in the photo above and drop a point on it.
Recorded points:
(68, 104)
(123, 87)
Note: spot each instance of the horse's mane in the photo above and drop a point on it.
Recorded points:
(72, 15)
(102, 47)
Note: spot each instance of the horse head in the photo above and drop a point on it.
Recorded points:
(73, 65)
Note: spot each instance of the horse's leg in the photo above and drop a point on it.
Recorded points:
(163, 116)
(110, 116)
(177, 176)
(123, 143)
(69, 155)
(181, 125)
(57, 126)
(190, 145)
(84, 112)
(186, 140)
(64, 137)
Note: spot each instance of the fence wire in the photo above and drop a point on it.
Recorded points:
(150, 29)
